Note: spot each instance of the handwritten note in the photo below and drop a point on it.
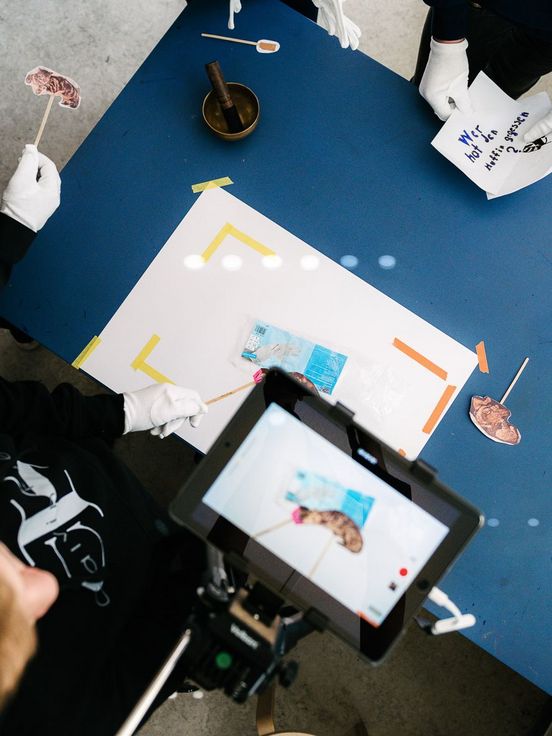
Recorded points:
(487, 144)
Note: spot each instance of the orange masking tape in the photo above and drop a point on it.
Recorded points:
(439, 409)
(482, 357)
(364, 617)
(419, 358)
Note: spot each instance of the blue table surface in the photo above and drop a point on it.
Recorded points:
(342, 159)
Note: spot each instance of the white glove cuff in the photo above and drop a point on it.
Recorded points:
(132, 409)
(446, 50)
(6, 209)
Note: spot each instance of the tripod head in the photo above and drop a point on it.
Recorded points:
(235, 640)
(240, 636)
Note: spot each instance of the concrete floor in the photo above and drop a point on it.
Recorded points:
(437, 687)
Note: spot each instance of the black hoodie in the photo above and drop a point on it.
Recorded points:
(69, 505)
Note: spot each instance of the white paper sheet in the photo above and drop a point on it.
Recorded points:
(201, 316)
(488, 146)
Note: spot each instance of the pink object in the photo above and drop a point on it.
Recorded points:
(259, 375)
(297, 516)
(44, 81)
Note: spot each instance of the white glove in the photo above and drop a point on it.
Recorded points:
(332, 18)
(446, 76)
(162, 408)
(233, 7)
(27, 200)
(540, 129)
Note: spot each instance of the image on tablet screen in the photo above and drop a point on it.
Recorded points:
(309, 503)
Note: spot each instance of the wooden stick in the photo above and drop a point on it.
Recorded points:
(321, 556)
(228, 38)
(44, 119)
(271, 528)
(511, 386)
(232, 392)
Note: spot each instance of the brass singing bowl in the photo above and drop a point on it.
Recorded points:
(248, 108)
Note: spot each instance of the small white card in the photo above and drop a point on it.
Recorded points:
(487, 144)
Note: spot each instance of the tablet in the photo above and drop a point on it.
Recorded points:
(324, 514)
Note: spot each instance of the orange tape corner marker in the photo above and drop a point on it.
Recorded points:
(401, 452)
(440, 407)
(364, 617)
(482, 357)
(419, 358)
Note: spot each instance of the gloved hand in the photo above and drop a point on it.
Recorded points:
(540, 129)
(446, 76)
(162, 408)
(233, 7)
(27, 200)
(332, 18)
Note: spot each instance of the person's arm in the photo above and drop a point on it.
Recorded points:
(32, 195)
(444, 84)
(449, 19)
(28, 407)
(15, 240)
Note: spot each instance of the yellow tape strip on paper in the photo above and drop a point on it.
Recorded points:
(82, 356)
(139, 362)
(211, 184)
(229, 229)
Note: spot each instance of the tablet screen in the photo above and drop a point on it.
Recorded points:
(318, 509)
(348, 531)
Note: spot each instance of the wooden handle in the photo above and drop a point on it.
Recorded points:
(44, 119)
(516, 377)
(232, 392)
(228, 38)
(214, 72)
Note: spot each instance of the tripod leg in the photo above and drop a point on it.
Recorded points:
(265, 712)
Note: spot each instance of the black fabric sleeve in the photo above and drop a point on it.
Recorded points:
(28, 407)
(449, 20)
(15, 240)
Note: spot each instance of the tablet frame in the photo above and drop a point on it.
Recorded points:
(373, 643)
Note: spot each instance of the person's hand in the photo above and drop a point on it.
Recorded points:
(27, 200)
(540, 129)
(445, 80)
(162, 408)
(332, 18)
(234, 6)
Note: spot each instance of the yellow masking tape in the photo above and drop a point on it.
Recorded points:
(84, 354)
(229, 229)
(139, 362)
(212, 184)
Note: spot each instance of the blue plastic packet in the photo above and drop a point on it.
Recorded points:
(270, 347)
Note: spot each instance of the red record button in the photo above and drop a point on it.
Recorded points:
(403, 571)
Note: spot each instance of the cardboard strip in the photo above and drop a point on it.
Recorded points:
(435, 415)
(139, 362)
(229, 229)
(211, 184)
(482, 357)
(419, 358)
(84, 354)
